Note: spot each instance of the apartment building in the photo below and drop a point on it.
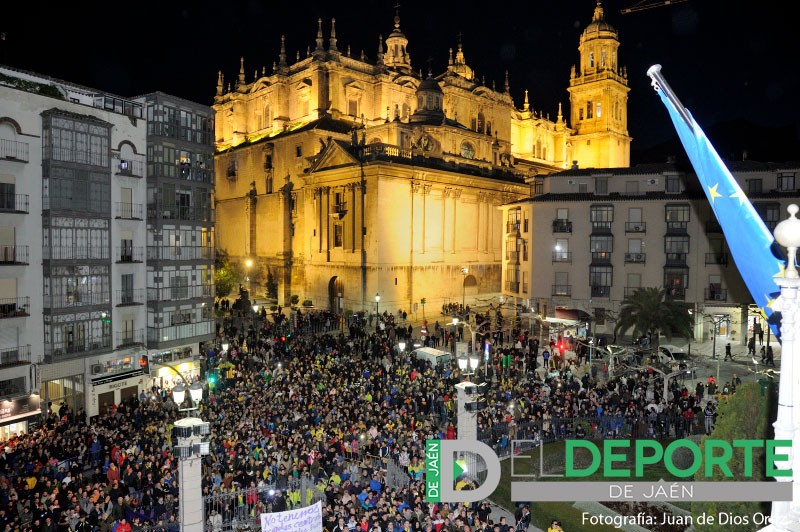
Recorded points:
(588, 238)
(81, 298)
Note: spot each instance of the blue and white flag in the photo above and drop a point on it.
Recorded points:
(756, 254)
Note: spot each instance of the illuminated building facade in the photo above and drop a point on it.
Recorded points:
(345, 177)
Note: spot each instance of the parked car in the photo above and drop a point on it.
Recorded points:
(670, 356)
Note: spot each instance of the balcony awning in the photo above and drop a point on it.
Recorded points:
(574, 314)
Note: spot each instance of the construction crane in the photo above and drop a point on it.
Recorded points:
(641, 5)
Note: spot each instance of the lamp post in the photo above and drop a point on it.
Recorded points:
(468, 364)
(401, 346)
(377, 315)
(464, 272)
(191, 447)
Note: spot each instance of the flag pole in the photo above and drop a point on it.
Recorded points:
(659, 82)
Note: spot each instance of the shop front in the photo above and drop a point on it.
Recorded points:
(113, 390)
(19, 415)
(169, 367)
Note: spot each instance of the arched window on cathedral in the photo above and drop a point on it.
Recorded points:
(544, 152)
(538, 153)
(591, 59)
(406, 111)
(589, 109)
(481, 123)
(488, 128)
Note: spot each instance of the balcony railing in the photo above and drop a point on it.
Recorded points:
(180, 332)
(601, 228)
(635, 257)
(601, 291)
(75, 253)
(14, 150)
(676, 259)
(174, 293)
(128, 338)
(91, 158)
(635, 227)
(192, 213)
(512, 286)
(677, 228)
(562, 256)
(716, 258)
(512, 227)
(180, 253)
(127, 254)
(717, 294)
(129, 211)
(11, 356)
(14, 202)
(10, 255)
(340, 208)
(129, 297)
(562, 290)
(76, 299)
(675, 292)
(14, 307)
(630, 290)
(562, 226)
(75, 346)
(133, 167)
(712, 226)
(601, 257)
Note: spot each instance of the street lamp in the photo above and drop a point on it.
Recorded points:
(401, 346)
(225, 346)
(464, 272)
(468, 364)
(377, 318)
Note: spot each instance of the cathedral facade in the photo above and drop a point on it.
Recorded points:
(369, 185)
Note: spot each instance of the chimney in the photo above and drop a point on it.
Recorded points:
(574, 165)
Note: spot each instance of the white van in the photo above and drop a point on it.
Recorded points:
(435, 356)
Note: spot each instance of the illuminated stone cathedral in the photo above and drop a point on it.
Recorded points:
(347, 178)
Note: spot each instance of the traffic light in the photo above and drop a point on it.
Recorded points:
(144, 363)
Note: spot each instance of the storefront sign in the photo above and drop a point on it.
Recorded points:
(11, 409)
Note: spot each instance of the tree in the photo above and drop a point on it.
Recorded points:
(226, 274)
(649, 311)
(272, 286)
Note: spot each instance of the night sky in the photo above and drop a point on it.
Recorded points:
(727, 62)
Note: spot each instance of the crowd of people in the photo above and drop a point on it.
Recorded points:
(343, 410)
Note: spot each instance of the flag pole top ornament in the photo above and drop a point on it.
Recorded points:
(787, 234)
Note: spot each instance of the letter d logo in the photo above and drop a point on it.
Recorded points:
(450, 449)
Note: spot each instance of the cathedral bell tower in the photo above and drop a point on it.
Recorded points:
(598, 95)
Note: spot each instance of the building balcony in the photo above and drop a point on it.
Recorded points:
(601, 257)
(15, 307)
(717, 294)
(512, 286)
(13, 356)
(512, 227)
(178, 293)
(75, 347)
(123, 298)
(600, 291)
(635, 257)
(14, 203)
(562, 256)
(562, 226)
(631, 290)
(84, 156)
(75, 253)
(175, 333)
(675, 292)
(562, 290)
(76, 299)
(14, 150)
(716, 258)
(635, 227)
(129, 254)
(132, 166)
(677, 228)
(601, 228)
(12, 255)
(129, 338)
(180, 253)
(712, 226)
(128, 211)
(676, 259)
(158, 211)
(513, 256)
(193, 173)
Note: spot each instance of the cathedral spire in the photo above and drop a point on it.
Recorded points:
(380, 49)
(332, 46)
(507, 86)
(450, 58)
(598, 12)
(241, 71)
(220, 83)
(319, 47)
(282, 56)
(526, 106)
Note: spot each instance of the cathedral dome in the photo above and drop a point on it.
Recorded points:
(429, 101)
(598, 23)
